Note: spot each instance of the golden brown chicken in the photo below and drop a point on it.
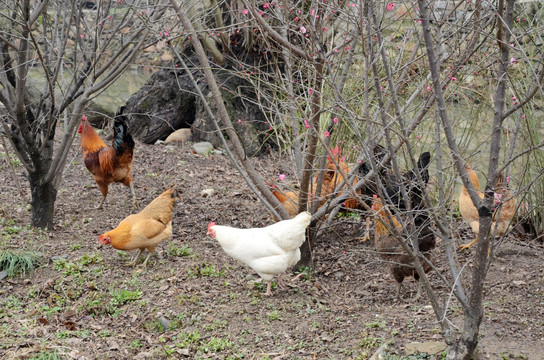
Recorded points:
(501, 220)
(389, 247)
(144, 230)
(332, 177)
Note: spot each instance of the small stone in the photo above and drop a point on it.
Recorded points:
(207, 192)
(164, 322)
(203, 148)
(59, 257)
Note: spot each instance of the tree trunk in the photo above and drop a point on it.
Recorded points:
(43, 200)
(306, 258)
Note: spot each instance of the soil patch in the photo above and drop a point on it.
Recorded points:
(193, 301)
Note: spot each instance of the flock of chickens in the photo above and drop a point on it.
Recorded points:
(402, 219)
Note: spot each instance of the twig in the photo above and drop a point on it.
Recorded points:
(13, 170)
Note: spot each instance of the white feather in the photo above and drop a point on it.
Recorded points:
(269, 250)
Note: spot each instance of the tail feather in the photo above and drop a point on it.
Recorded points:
(122, 140)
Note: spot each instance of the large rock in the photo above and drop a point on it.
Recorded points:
(167, 102)
(160, 107)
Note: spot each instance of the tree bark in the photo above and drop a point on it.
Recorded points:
(43, 200)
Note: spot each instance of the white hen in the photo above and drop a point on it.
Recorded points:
(269, 250)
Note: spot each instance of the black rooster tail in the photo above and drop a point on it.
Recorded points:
(122, 140)
(423, 166)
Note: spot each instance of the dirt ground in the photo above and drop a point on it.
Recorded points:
(193, 301)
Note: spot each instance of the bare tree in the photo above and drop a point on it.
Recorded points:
(392, 72)
(54, 57)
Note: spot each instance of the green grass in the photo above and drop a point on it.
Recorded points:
(46, 355)
(22, 262)
(180, 251)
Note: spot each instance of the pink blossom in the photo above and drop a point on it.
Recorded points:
(306, 124)
(454, 79)
(281, 177)
(347, 48)
(245, 11)
(326, 134)
(325, 28)
(303, 29)
(335, 120)
(359, 161)
(310, 91)
(512, 61)
(82, 36)
(428, 88)
(508, 179)
(266, 5)
(239, 121)
(511, 45)
(390, 6)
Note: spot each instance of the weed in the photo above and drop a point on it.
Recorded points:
(215, 344)
(105, 333)
(122, 296)
(205, 270)
(67, 267)
(274, 315)
(154, 326)
(185, 340)
(47, 355)
(376, 324)
(135, 344)
(175, 250)
(18, 262)
(369, 342)
(74, 247)
(90, 259)
(348, 215)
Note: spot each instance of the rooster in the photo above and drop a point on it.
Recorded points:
(389, 248)
(269, 250)
(470, 213)
(146, 229)
(108, 164)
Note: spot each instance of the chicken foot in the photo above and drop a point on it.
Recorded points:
(135, 260)
(469, 245)
(268, 288)
(147, 258)
(366, 236)
(99, 207)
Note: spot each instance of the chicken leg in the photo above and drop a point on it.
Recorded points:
(147, 258)
(99, 207)
(366, 236)
(268, 288)
(469, 245)
(134, 201)
(135, 260)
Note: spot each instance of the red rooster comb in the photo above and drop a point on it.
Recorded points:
(336, 152)
(210, 225)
